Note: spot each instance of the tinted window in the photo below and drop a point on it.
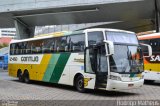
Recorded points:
(95, 38)
(36, 46)
(144, 48)
(155, 44)
(17, 48)
(28, 47)
(24, 51)
(48, 45)
(61, 44)
(12, 49)
(76, 43)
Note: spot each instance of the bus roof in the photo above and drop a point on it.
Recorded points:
(107, 29)
(149, 36)
(67, 33)
(50, 35)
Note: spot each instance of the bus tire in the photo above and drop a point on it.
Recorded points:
(26, 77)
(20, 76)
(79, 84)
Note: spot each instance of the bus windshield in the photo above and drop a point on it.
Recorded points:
(121, 37)
(126, 62)
(127, 56)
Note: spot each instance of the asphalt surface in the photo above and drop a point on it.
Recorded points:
(12, 89)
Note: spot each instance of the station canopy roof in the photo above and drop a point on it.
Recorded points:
(135, 16)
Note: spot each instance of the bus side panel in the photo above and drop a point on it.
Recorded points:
(41, 68)
(51, 65)
(48, 68)
(76, 65)
(28, 63)
(59, 68)
(151, 69)
(55, 68)
(12, 70)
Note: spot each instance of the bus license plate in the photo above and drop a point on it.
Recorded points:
(130, 85)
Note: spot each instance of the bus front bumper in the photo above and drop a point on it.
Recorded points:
(119, 85)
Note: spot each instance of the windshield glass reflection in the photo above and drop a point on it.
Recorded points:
(126, 62)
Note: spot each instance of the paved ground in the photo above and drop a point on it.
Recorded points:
(11, 89)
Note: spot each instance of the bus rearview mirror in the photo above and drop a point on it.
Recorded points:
(109, 47)
(149, 49)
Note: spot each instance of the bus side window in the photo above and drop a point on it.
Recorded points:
(158, 47)
(62, 44)
(56, 47)
(32, 48)
(24, 48)
(77, 43)
(28, 48)
(154, 44)
(52, 45)
(21, 48)
(38, 48)
(144, 48)
(46, 45)
(12, 49)
(17, 49)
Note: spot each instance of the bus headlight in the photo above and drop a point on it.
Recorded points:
(115, 77)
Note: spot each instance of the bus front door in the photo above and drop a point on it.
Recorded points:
(97, 63)
(89, 76)
(101, 69)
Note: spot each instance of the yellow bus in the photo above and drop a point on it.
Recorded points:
(151, 64)
(97, 58)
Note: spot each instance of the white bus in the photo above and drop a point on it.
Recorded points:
(96, 58)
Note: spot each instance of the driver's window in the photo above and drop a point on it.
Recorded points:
(95, 38)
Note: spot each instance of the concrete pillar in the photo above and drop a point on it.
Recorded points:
(157, 22)
(157, 17)
(23, 31)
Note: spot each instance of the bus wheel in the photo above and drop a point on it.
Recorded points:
(80, 84)
(26, 77)
(20, 77)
